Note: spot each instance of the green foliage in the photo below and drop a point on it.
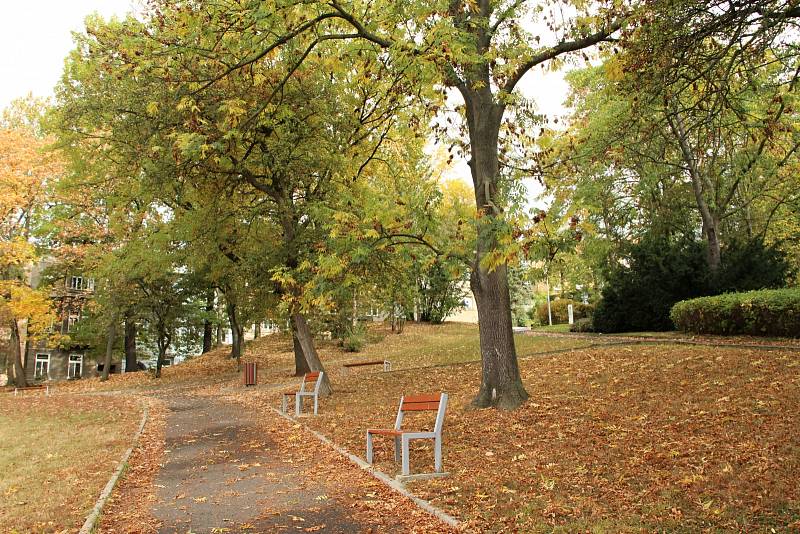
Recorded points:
(355, 338)
(770, 312)
(657, 273)
(584, 324)
(441, 292)
(560, 312)
(751, 265)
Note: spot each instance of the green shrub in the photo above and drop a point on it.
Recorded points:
(520, 316)
(658, 272)
(558, 309)
(355, 338)
(769, 312)
(582, 325)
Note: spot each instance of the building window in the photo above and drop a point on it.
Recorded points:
(79, 283)
(72, 319)
(75, 366)
(41, 372)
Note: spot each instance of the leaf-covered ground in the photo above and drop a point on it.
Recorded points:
(614, 438)
(56, 454)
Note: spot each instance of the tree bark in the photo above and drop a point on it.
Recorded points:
(163, 341)
(20, 380)
(300, 363)
(306, 342)
(501, 384)
(131, 364)
(112, 334)
(707, 215)
(256, 330)
(237, 334)
(208, 325)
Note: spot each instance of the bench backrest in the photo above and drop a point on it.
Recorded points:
(421, 403)
(315, 378)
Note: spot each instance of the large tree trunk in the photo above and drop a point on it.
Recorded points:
(501, 385)
(20, 380)
(131, 365)
(237, 334)
(300, 363)
(208, 325)
(306, 341)
(256, 330)
(112, 334)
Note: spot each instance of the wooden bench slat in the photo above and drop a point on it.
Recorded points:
(311, 377)
(359, 364)
(420, 406)
(422, 398)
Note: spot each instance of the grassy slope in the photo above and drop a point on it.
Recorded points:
(614, 439)
(57, 453)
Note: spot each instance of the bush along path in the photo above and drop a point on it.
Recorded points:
(226, 469)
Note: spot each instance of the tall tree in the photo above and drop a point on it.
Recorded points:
(25, 170)
(483, 49)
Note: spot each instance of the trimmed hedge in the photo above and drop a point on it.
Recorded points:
(558, 308)
(769, 312)
(582, 325)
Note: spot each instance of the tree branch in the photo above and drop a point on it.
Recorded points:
(561, 48)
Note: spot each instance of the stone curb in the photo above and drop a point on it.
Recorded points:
(383, 477)
(88, 526)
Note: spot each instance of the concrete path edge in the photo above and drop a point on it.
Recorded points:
(383, 477)
(91, 520)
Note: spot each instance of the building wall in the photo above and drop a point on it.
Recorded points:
(467, 314)
(59, 364)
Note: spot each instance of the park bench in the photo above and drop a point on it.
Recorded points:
(314, 378)
(38, 387)
(387, 365)
(413, 403)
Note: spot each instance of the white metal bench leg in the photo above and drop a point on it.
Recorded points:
(283, 403)
(316, 404)
(397, 446)
(404, 442)
(298, 405)
(387, 365)
(369, 448)
(437, 454)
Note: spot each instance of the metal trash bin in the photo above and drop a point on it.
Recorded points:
(250, 377)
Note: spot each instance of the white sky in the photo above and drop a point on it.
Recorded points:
(35, 36)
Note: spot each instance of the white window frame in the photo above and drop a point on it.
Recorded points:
(80, 283)
(73, 318)
(79, 365)
(37, 360)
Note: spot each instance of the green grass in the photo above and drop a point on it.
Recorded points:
(422, 345)
(561, 328)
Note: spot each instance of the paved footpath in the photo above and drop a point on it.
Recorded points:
(221, 475)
